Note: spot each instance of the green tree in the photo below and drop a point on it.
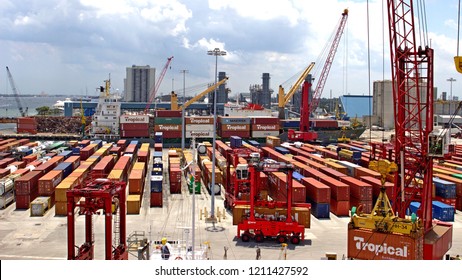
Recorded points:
(43, 111)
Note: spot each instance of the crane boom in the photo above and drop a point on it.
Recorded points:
(283, 98)
(330, 58)
(16, 93)
(174, 99)
(152, 93)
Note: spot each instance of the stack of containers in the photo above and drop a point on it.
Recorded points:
(46, 188)
(27, 125)
(87, 151)
(49, 165)
(169, 123)
(7, 190)
(122, 143)
(136, 180)
(233, 126)
(26, 189)
(156, 180)
(339, 195)
(318, 194)
(458, 182)
(116, 151)
(131, 148)
(261, 127)
(440, 211)
(445, 191)
(199, 127)
(174, 172)
(120, 170)
(144, 153)
(103, 167)
(134, 126)
(277, 188)
(360, 193)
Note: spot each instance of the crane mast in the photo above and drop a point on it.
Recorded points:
(16, 93)
(152, 93)
(412, 82)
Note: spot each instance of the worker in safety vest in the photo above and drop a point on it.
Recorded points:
(165, 249)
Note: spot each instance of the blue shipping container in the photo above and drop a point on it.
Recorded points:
(297, 176)
(236, 142)
(76, 151)
(158, 155)
(444, 189)
(282, 150)
(98, 142)
(66, 167)
(291, 123)
(65, 154)
(156, 184)
(134, 142)
(442, 211)
(158, 136)
(255, 143)
(320, 210)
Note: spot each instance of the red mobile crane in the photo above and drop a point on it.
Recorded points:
(154, 89)
(99, 194)
(307, 108)
(412, 80)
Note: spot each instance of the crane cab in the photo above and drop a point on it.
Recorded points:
(242, 171)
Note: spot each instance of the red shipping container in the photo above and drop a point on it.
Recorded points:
(377, 185)
(28, 183)
(4, 172)
(30, 158)
(171, 134)
(368, 245)
(437, 241)
(340, 208)
(75, 160)
(316, 191)
(168, 113)
(22, 171)
(134, 133)
(459, 203)
(264, 127)
(358, 189)
(23, 201)
(227, 134)
(264, 120)
(175, 187)
(156, 199)
(363, 171)
(134, 126)
(158, 147)
(338, 190)
(366, 205)
(143, 156)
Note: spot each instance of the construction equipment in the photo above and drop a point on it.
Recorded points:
(307, 108)
(258, 226)
(22, 111)
(284, 98)
(155, 88)
(99, 194)
(174, 99)
(398, 237)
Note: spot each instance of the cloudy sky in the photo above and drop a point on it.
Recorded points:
(71, 46)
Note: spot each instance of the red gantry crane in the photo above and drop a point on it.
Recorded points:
(307, 108)
(381, 234)
(152, 94)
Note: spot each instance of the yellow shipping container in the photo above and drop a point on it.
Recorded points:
(336, 166)
(139, 165)
(133, 204)
(116, 175)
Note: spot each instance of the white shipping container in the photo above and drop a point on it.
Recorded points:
(6, 199)
(39, 206)
(199, 134)
(199, 127)
(263, 134)
(6, 185)
(134, 119)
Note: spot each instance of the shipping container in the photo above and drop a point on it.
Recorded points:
(339, 191)
(365, 205)
(377, 185)
(136, 181)
(235, 142)
(264, 120)
(358, 189)
(134, 119)
(134, 126)
(133, 204)
(23, 200)
(156, 183)
(48, 182)
(264, 133)
(28, 183)
(156, 199)
(40, 205)
(66, 167)
(233, 120)
(340, 208)
(198, 121)
(316, 191)
(320, 210)
(6, 199)
(134, 133)
(168, 113)
(367, 245)
(444, 189)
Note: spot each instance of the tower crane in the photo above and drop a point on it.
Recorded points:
(174, 99)
(16, 94)
(307, 108)
(412, 81)
(155, 88)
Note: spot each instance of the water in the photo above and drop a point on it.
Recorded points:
(9, 107)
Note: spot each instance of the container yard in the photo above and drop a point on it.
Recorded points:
(324, 188)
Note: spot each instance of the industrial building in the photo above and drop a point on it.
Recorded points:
(138, 83)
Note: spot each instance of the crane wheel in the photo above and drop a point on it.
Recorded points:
(245, 237)
(178, 258)
(281, 239)
(295, 239)
(259, 238)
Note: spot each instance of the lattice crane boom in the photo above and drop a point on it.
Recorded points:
(16, 93)
(152, 93)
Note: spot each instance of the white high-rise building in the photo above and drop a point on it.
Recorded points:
(138, 83)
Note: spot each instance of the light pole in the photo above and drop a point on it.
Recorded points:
(450, 80)
(183, 109)
(216, 52)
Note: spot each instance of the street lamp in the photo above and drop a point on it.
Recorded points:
(183, 109)
(216, 52)
(450, 80)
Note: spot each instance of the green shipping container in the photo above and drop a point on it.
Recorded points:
(167, 121)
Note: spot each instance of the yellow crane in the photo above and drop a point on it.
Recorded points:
(174, 99)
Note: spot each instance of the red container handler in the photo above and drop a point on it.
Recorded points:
(316, 191)
(338, 190)
(358, 189)
(340, 208)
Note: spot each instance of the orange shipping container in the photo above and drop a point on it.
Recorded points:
(48, 182)
(367, 245)
(135, 181)
(133, 204)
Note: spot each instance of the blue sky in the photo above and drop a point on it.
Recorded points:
(70, 47)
